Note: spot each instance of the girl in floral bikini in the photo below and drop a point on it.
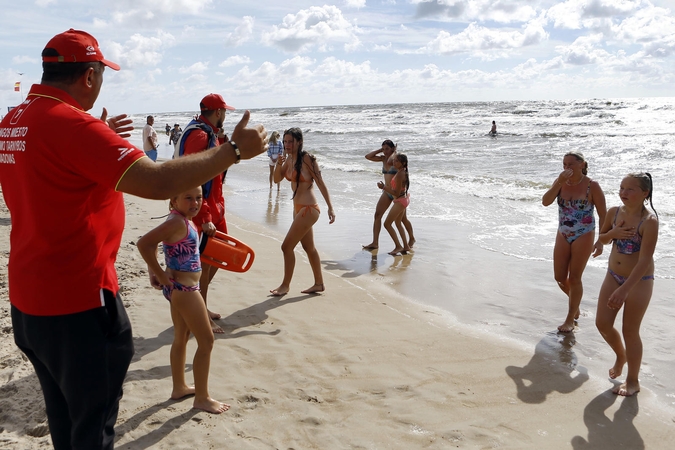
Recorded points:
(630, 276)
(180, 284)
(577, 196)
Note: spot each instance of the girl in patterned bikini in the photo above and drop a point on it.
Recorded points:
(180, 284)
(577, 196)
(302, 170)
(630, 276)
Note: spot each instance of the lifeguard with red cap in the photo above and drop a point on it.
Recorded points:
(202, 134)
(63, 173)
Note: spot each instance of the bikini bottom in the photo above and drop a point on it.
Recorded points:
(404, 201)
(621, 280)
(168, 290)
(306, 208)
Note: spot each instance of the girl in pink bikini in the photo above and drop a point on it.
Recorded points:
(629, 282)
(302, 170)
(180, 285)
(398, 189)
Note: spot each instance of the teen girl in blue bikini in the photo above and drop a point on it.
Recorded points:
(577, 196)
(630, 276)
(180, 283)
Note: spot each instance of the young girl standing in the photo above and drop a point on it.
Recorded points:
(630, 276)
(398, 189)
(180, 284)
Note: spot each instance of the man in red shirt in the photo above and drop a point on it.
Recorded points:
(65, 199)
(202, 134)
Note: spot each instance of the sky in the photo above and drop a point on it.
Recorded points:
(287, 53)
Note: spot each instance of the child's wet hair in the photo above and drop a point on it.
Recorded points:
(646, 183)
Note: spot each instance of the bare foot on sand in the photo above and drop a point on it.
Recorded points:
(372, 246)
(576, 316)
(216, 328)
(566, 327)
(211, 406)
(617, 369)
(212, 315)
(181, 393)
(314, 289)
(281, 290)
(396, 251)
(627, 389)
(411, 242)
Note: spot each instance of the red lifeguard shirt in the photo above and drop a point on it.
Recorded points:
(59, 169)
(213, 208)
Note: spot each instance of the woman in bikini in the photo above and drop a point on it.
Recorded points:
(398, 189)
(302, 170)
(385, 156)
(630, 276)
(577, 196)
(180, 285)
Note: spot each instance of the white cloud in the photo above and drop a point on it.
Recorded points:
(139, 51)
(149, 14)
(23, 59)
(503, 11)
(235, 61)
(478, 38)
(355, 3)
(653, 28)
(582, 51)
(198, 67)
(576, 14)
(316, 27)
(241, 34)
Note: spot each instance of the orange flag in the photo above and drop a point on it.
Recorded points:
(17, 86)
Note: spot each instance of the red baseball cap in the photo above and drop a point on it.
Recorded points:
(213, 102)
(75, 46)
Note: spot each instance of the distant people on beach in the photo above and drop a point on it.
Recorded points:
(630, 275)
(67, 313)
(398, 189)
(168, 131)
(385, 155)
(180, 286)
(176, 133)
(302, 170)
(274, 151)
(200, 135)
(150, 145)
(493, 130)
(577, 197)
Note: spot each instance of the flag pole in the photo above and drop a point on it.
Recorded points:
(20, 86)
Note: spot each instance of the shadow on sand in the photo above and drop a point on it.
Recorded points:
(604, 432)
(551, 369)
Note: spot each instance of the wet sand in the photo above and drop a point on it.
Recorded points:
(359, 366)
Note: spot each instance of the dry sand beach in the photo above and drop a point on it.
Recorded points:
(356, 367)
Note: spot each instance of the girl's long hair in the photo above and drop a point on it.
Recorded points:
(644, 179)
(296, 133)
(403, 159)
